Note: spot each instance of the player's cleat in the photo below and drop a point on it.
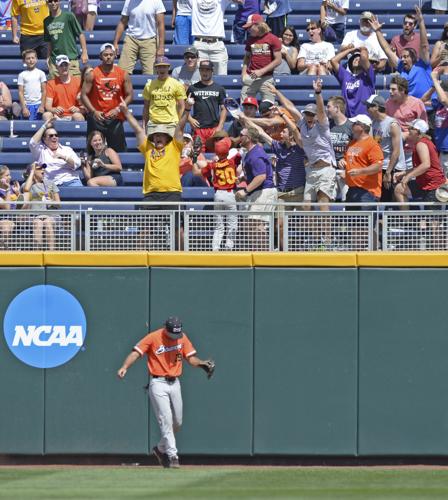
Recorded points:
(162, 458)
(173, 462)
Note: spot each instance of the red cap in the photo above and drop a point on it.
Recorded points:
(251, 100)
(253, 19)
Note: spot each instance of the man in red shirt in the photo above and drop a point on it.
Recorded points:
(101, 94)
(165, 349)
(263, 55)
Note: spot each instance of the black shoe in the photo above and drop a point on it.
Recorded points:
(162, 458)
(173, 462)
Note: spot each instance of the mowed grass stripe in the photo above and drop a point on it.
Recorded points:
(222, 483)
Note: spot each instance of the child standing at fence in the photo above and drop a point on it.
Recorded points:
(32, 85)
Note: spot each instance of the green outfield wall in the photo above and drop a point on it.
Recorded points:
(342, 354)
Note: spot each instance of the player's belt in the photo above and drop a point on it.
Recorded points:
(209, 39)
(168, 379)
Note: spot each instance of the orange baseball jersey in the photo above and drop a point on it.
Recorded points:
(164, 354)
(224, 172)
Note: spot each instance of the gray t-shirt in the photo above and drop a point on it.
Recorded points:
(381, 133)
(186, 76)
(42, 191)
(341, 135)
(317, 142)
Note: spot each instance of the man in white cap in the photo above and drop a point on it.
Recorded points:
(101, 94)
(387, 132)
(426, 167)
(62, 94)
(363, 162)
(366, 37)
(145, 35)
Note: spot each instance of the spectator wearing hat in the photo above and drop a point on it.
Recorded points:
(426, 167)
(61, 161)
(188, 73)
(440, 105)
(314, 56)
(245, 8)
(366, 37)
(181, 22)
(363, 162)
(314, 128)
(145, 35)
(63, 94)
(409, 38)
(387, 132)
(250, 108)
(164, 97)
(358, 81)
(32, 16)
(416, 71)
(263, 55)
(61, 29)
(209, 112)
(101, 94)
(404, 108)
(162, 151)
(207, 21)
(333, 15)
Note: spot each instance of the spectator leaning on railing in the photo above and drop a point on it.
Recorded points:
(32, 15)
(61, 161)
(416, 71)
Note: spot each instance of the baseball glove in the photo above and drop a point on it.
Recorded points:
(209, 367)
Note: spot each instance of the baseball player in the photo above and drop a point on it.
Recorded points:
(165, 348)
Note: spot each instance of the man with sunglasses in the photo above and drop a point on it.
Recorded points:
(61, 30)
(408, 39)
(188, 73)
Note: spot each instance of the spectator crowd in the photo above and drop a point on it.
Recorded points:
(356, 146)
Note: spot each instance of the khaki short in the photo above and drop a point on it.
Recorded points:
(263, 200)
(320, 179)
(73, 68)
(134, 49)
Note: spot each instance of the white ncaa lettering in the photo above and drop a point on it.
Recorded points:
(33, 335)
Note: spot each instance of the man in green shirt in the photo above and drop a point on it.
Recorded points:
(61, 29)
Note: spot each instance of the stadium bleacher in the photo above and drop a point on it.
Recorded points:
(14, 141)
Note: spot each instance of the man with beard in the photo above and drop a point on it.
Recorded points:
(409, 38)
(101, 94)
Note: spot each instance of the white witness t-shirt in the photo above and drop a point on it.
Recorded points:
(142, 17)
(207, 18)
(334, 17)
(315, 53)
(32, 85)
(370, 42)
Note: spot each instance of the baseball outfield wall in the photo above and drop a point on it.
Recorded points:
(338, 354)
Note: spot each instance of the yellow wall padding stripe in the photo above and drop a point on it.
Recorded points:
(304, 259)
(96, 259)
(403, 259)
(10, 259)
(200, 259)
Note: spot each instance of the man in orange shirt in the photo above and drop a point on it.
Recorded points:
(165, 349)
(63, 93)
(102, 91)
(363, 162)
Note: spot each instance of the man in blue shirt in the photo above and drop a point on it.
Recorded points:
(416, 71)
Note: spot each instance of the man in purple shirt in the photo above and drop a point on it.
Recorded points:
(260, 191)
(357, 80)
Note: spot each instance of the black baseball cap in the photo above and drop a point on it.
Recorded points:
(173, 325)
(206, 64)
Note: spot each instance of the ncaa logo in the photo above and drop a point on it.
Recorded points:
(44, 326)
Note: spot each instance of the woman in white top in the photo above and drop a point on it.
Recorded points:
(61, 161)
(314, 57)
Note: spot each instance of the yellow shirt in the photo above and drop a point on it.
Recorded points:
(161, 167)
(32, 14)
(162, 97)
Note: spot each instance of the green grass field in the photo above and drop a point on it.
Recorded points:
(222, 482)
